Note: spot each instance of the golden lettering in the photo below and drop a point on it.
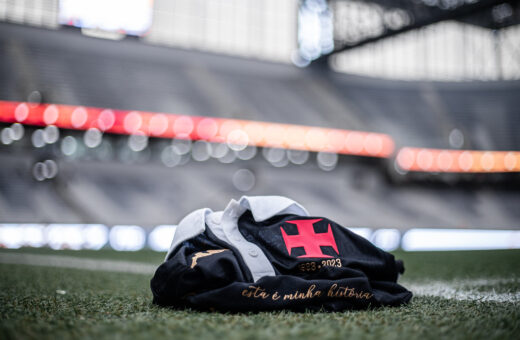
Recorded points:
(352, 293)
(334, 291)
(346, 292)
(260, 293)
(310, 294)
(331, 290)
(289, 296)
(255, 293)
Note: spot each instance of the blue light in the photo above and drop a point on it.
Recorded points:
(315, 31)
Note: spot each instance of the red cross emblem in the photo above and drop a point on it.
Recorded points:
(308, 239)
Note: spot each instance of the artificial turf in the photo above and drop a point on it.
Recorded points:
(54, 303)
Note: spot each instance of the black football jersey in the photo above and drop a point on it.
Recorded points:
(267, 253)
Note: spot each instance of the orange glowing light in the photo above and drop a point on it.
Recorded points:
(218, 130)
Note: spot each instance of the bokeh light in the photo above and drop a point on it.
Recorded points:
(79, 117)
(327, 161)
(183, 126)
(51, 134)
(200, 151)
(161, 237)
(21, 112)
(207, 128)
(95, 236)
(92, 138)
(298, 157)
(425, 159)
(11, 236)
(17, 131)
(51, 114)
(132, 122)
(170, 157)
(33, 235)
(158, 124)
(237, 140)
(387, 239)
(106, 120)
(37, 138)
(127, 238)
(247, 153)
(137, 142)
(6, 136)
(244, 180)
(354, 142)
(465, 161)
(64, 236)
(405, 159)
(69, 145)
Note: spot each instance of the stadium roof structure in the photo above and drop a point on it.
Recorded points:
(402, 16)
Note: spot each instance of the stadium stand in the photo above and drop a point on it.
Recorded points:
(67, 68)
(71, 69)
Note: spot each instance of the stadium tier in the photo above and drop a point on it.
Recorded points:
(81, 176)
(71, 69)
(143, 191)
(240, 133)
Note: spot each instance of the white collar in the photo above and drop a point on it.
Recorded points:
(262, 208)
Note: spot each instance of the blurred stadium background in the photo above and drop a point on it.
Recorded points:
(398, 118)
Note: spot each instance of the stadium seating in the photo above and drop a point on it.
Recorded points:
(71, 69)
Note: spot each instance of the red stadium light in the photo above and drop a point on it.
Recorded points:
(79, 117)
(240, 133)
(232, 131)
(406, 158)
(444, 160)
(354, 142)
(21, 112)
(51, 114)
(132, 122)
(470, 161)
(207, 128)
(182, 126)
(106, 120)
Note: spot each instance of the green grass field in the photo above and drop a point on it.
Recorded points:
(462, 295)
